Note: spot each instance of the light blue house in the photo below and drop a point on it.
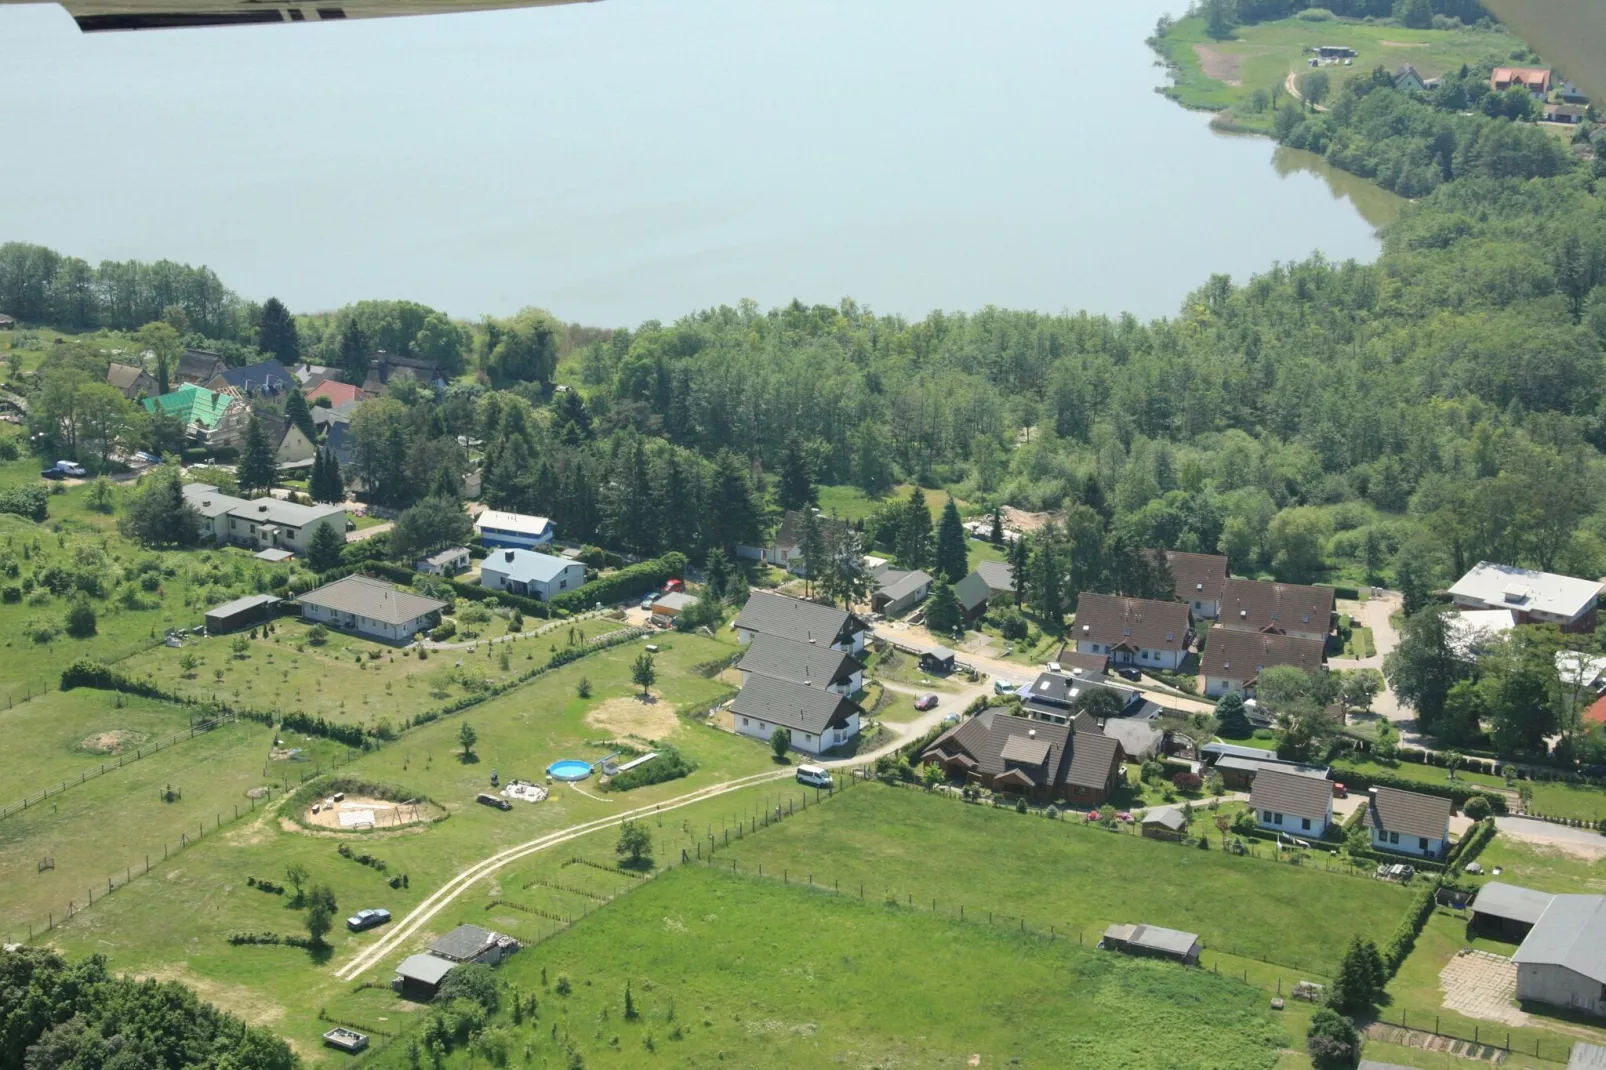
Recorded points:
(533, 575)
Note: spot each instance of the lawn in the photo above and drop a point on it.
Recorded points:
(906, 842)
(1425, 774)
(1360, 643)
(1569, 33)
(1549, 869)
(1576, 801)
(1220, 75)
(757, 974)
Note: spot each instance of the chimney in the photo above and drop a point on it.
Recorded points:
(262, 508)
(1031, 733)
(507, 555)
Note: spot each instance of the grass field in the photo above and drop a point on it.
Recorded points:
(1425, 774)
(1569, 33)
(1220, 75)
(1550, 869)
(756, 974)
(1078, 879)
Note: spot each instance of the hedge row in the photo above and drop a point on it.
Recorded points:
(87, 672)
(296, 721)
(1356, 780)
(1404, 939)
(624, 584)
(669, 765)
(32, 501)
(1472, 844)
(272, 939)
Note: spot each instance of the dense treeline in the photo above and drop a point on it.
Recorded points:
(60, 1015)
(1409, 12)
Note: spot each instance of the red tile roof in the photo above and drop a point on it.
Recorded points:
(337, 392)
(1596, 714)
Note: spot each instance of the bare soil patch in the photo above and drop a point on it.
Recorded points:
(385, 813)
(1406, 44)
(1222, 66)
(1021, 520)
(113, 742)
(632, 717)
(245, 1003)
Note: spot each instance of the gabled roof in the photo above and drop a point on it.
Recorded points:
(338, 440)
(447, 556)
(1239, 655)
(1135, 734)
(1083, 759)
(1068, 659)
(1288, 793)
(525, 566)
(1571, 934)
(972, 592)
(1025, 750)
(802, 621)
(802, 709)
(1171, 941)
(998, 574)
(1533, 77)
(337, 392)
(269, 377)
(1166, 816)
(194, 405)
(425, 969)
(1196, 577)
(1409, 813)
(1512, 902)
(1260, 606)
(270, 510)
(463, 942)
(1135, 623)
(198, 366)
(126, 377)
(371, 598)
(896, 586)
(1525, 590)
(799, 663)
(1091, 760)
(789, 536)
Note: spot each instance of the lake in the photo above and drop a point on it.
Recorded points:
(639, 159)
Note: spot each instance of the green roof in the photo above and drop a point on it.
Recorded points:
(972, 591)
(192, 404)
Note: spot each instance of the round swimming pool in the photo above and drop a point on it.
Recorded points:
(569, 769)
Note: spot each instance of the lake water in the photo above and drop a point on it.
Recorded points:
(644, 158)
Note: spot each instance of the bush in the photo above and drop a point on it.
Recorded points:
(1188, 782)
(1316, 14)
(318, 635)
(1332, 1040)
(446, 630)
(669, 765)
(32, 502)
(1012, 625)
(1477, 808)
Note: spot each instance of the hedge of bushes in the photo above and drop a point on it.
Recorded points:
(1472, 844)
(627, 583)
(32, 501)
(87, 672)
(669, 765)
(274, 939)
(1404, 938)
(1356, 780)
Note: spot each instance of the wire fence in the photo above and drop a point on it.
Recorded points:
(111, 767)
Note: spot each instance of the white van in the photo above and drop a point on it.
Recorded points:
(814, 776)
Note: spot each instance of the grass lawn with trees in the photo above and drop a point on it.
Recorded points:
(908, 842)
(762, 975)
(1219, 75)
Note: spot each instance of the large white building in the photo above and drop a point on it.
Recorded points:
(533, 575)
(261, 523)
(514, 530)
(373, 607)
(1532, 597)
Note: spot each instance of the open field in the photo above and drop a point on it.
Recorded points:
(762, 975)
(1219, 75)
(1550, 869)
(348, 677)
(1569, 33)
(1078, 879)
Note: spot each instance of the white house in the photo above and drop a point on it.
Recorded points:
(1532, 597)
(1408, 822)
(525, 572)
(373, 607)
(817, 718)
(1133, 631)
(801, 621)
(261, 523)
(787, 549)
(515, 530)
(445, 563)
(1562, 960)
(1300, 806)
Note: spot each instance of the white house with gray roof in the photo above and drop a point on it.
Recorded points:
(803, 663)
(1562, 960)
(531, 574)
(817, 718)
(261, 523)
(373, 607)
(801, 621)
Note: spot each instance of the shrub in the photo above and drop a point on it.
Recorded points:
(1187, 782)
(1477, 808)
(32, 502)
(669, 765)
(318, 635)
(631, 582)
(1316, 14)
(1012, 625)
(11, 593)
(1332, 1040)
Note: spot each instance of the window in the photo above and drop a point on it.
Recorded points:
(1144, 655)
(1265, 815)
(1394, 837)
(1304, 823)
(744, 722)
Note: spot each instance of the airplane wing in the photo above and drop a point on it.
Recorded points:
(95, 16)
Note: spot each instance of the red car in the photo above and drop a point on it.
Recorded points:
(926, 702)
(674, 585)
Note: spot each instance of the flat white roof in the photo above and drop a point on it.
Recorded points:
(1473, 629)
(517, 523)
(1525, 590)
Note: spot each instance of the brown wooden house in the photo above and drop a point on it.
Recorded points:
(1042, 761)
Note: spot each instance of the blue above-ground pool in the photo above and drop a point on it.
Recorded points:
(569, 769)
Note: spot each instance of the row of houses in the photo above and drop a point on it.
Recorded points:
(799, 671)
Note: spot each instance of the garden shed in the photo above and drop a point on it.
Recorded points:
(1153, 940)
(244, 612)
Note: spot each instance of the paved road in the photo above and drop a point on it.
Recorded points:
(1575, 840)
(367, 533)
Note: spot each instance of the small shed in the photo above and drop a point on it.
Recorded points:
(938, 659)
(244, 612)
(445, 562)
(1154, 941)
(1165, 823)
(670, 606)
(7, 323)
(420, 976)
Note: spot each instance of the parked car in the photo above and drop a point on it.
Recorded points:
(647, 603)
(1130, 672)
(367, 919)
(926, 702)
(1003, 687)
(814, 776)
(497, 801)
(63, 469)
(674, 585)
